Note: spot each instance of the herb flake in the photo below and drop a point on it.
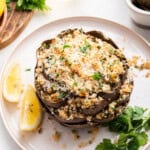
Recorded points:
(75, 84)
(84, 48)
(96, 76)
(66, 46)
(28, 69)
(62, 95)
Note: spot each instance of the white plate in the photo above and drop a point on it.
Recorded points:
(25, 53)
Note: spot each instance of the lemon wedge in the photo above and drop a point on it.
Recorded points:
(31, 112)
(12, 85)
(2, 6)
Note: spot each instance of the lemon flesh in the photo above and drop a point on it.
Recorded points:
(2, 6)
(12, 87)
(31, 112)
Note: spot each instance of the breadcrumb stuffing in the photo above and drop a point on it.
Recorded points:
(77, 72)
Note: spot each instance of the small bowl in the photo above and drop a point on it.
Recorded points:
(140, 16)
(3, 19)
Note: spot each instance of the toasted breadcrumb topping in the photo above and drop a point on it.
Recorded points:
(78, 68)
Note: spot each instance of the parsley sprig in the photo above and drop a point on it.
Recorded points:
(132, 126)
(29, 4)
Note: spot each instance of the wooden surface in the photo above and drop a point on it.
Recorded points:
(13, 25)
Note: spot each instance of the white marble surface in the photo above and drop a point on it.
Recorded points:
(115, 10)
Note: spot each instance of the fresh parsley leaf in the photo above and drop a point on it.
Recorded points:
(142, 138)
(132, 125)
(147, 124)
(96, 76)
(131, 118)
(138, 116)
(31, 5)
(126, 141)
(132, 140)
(106, 145)
(123, 122)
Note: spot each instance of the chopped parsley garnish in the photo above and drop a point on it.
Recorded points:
(57, 75)
(66, 46)
(103, 60)
(81, 30)
(62, 95)
(28, 69)
(53, 61)
(75, 84)
(111, 51)
(62, 58)
(96, 76)
(100, 85)
(55, 48)
(46, 45)
(87, 45)
(132, 125)
(84, 48)
(67, 62)
(99, 47)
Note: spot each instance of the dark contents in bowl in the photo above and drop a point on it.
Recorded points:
(142, 4)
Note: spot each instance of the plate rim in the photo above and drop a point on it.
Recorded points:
(53, 22)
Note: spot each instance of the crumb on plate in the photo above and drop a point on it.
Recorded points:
(147, 75)
(75, 134)
(145, 65)
(133, 61)
(56, 136)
